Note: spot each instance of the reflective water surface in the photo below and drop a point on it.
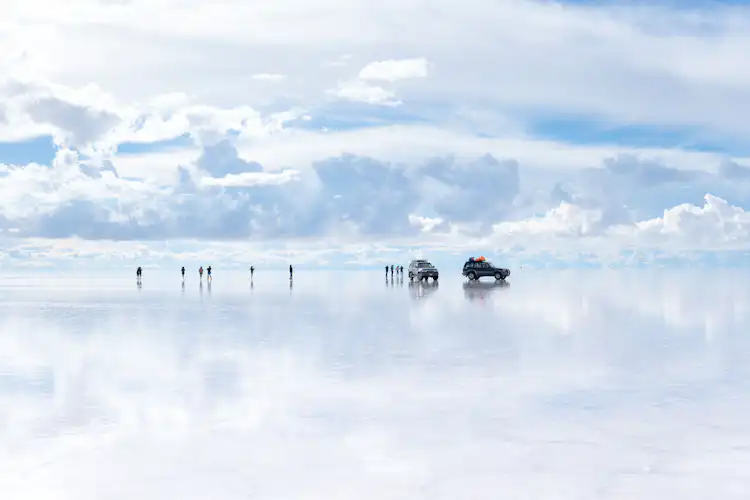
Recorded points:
(559, 385)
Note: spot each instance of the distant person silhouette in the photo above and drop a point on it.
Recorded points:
(183, 273)
(200, 273)
(391, 270)
(209, 273)
(252, 270)
(291, 271)
(402, 271)
(138, 272)
(386, 272)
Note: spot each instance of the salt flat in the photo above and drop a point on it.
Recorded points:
(562, 385)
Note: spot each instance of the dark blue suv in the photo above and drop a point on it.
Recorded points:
(475, 269)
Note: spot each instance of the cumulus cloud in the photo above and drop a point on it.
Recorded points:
(249, 179)
(568, 221)
(80, 125)
(452, 201)
(716, 224)
(359, 91)
(221, 195)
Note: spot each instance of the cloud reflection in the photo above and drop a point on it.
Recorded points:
(598, 385)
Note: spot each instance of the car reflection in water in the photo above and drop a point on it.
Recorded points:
(477, 290)
(420, 290)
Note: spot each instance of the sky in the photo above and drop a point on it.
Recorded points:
(360, 133)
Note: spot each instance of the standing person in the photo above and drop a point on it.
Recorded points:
(391, 271)
(183, 273)
(138, 272)
(200, 273)
(402, 271)
(386, 272)
(252, 270)
(208, 278)
(291, 271)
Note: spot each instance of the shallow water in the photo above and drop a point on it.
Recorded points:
(580, 385)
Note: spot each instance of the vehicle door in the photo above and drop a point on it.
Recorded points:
(486, 269)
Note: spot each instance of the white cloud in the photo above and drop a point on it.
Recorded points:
(425, 224)
(716, 224)
(250, 179)
(359, 91)
(395, 70)
(567, 220)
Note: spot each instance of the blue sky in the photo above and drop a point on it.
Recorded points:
(550, 133)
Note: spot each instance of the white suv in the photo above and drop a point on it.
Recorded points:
(422, 270)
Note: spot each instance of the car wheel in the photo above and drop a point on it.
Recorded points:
(499, 275)
(472, 275)
(435, 279)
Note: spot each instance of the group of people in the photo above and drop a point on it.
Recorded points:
(139, 272)
(399, 270)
